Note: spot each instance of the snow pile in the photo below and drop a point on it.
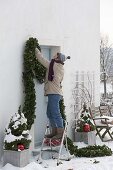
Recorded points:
(98, 163)
(102, 163)
(31, 166)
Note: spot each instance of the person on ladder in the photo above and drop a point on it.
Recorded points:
(53, 89)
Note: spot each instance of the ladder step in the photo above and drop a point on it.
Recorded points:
(52, 142)
(49, 150)
(54, 145)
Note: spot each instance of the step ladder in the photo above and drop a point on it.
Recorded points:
(52, 146)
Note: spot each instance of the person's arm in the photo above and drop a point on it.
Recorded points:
(41, 59)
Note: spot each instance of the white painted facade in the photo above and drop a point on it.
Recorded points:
(72, 25)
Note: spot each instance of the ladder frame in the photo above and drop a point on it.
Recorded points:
(64, 138)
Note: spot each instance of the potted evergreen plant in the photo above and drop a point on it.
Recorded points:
(85, 130)
(17, 140)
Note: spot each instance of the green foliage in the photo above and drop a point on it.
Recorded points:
(62, 110)
(89, 151)
(71, 146)
(16, 132)
(85, 118)
(32, 69)
(14, 145)
(93, 151)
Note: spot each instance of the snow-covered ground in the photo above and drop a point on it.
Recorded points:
(104, 163)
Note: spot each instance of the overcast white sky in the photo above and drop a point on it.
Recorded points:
(106, 18)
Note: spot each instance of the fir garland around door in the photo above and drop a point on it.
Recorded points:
(34, 70)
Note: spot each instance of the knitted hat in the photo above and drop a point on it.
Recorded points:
(61, 57)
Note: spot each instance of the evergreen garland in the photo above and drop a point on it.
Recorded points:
(62, 110)
(33, 69)
(93, 151)
(89, 151)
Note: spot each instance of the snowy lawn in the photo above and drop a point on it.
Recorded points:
(98, 163)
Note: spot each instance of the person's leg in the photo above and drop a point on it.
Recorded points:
(56, 115)
(55, 110)
(49, 111)
(51, 121)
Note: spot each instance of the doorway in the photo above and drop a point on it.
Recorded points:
(41, 100)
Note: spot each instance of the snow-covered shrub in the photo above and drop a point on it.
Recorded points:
(16, 133)
(85, 123)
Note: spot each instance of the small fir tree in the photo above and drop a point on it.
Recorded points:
(85, 121)
(16, 133)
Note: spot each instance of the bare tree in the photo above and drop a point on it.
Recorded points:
(106, 61)
(82, 96)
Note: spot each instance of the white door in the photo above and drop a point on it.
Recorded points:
(41, 105)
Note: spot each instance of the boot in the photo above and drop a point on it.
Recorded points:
(59, 134)
(53, 133)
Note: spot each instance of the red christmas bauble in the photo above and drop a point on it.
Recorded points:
(21, 147)
(86, 128)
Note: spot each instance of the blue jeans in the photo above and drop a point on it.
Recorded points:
(53, 110)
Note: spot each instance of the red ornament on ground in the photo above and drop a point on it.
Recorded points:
(86, 128)
(21, 147)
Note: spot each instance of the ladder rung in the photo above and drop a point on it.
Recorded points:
(49, 150)
(50, 143)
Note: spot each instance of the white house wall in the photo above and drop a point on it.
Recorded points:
(71, 24)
